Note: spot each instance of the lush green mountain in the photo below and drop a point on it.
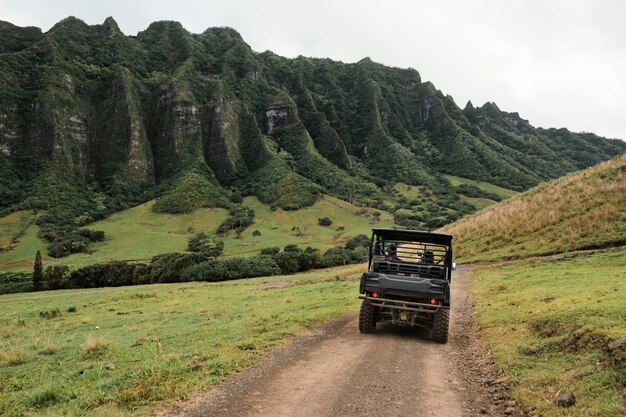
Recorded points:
(93, 121)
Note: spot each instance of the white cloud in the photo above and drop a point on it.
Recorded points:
(559, 63)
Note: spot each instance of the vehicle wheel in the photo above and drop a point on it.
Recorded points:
(367, 318)
(440, 325)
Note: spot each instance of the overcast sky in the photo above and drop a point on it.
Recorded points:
(559, 63)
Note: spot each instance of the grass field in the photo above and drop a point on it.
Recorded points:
(276, 226)
(140, 234)
(548, 324)
(130, 349)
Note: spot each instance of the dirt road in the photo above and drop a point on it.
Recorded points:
(394, 372)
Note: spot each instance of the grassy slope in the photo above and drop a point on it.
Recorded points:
(139, 234)
(20, 255)
(569, 310)
(275, 226)
(412, 191)
(580, 210)
(485, 186)
(12, 226)
(165, 341)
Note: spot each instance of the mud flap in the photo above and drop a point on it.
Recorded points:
(446, 295)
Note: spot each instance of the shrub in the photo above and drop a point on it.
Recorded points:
(50, 314)
(170, 267)
(233, 268)
(92, 235)
(256, 233)
(358, 241)
(270, 251)
(205, 244)
(114, 274)
(56, 277)
(324, 221)
(240, 218)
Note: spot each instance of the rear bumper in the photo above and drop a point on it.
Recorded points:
(399, 290)
(402, 305)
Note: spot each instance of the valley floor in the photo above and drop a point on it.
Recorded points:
(339, 372)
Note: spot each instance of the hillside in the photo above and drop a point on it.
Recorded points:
(93, 121)
(138, 234)
(582, 210)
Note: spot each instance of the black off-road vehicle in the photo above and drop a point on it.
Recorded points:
(408, 281)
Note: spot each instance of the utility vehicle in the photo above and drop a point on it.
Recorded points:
(408, 281)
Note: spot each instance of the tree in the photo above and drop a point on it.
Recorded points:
(38, 271)
(56, 277)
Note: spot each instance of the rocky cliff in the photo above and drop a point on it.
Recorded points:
(89, 112)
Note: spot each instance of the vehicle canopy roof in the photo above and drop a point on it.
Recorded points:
(413, 236)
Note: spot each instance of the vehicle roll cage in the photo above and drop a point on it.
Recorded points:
(412, 248)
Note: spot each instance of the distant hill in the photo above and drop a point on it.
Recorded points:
(583, 210)
(93, 121)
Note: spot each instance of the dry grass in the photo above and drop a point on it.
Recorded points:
(581, 210)
(49, 349)
(95, 347)
(12, 355)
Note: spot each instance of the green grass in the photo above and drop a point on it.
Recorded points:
(568, 309)
(408, 191)
(21, 256)
(133, 234)
(276, 226)
(164, 341)
(478, 202)
(12, 227)
(485, 186)
(139, 234)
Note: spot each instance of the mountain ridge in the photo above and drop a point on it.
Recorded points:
(94, 121)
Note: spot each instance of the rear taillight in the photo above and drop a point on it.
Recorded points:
(375, 295)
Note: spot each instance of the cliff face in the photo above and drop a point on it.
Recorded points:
(92, 107)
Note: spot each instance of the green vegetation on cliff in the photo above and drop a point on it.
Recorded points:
(93, 121)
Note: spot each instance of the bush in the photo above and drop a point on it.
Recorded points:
(324, 221)
(170, 267)
(475, 192)
(358, 241)
(270, 251)
(205, 244)
(240, 218)
(12, 282)
(92, 235)
(256, 233)
(56, 277)
(114, 274)
(50, 314)
(233, 268)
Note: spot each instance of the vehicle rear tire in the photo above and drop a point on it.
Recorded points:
(440, 325)
(367, 317)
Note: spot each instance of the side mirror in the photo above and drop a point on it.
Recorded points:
(454, 266)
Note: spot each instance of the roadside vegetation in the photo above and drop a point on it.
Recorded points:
(583, 210)
(554, 317)
(556, 325)
(124, 351)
